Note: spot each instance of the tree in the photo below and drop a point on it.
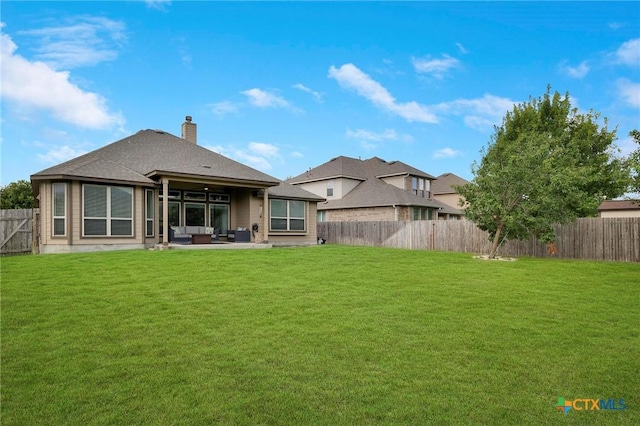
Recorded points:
(17, 195)
(545, 164)
(634, 164)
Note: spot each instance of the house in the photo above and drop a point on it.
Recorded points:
(443, 189)
(372, 190)
(619, 208)
(128, 194)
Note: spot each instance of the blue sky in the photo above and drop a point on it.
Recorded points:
(284, 87)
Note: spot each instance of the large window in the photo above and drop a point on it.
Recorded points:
(150, 212)
(322, 215)
(287, 215)
(107, 210)
(219, 217)
(422, 213)
(330, 188)
(174, 215)
(194, 214)
(59, 209)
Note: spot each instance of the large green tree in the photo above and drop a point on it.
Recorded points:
(634, 165)
(545, 164)
(17, 195)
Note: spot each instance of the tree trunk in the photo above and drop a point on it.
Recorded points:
(496, 242)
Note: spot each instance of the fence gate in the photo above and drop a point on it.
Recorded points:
(16, 231)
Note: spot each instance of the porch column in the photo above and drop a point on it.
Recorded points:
(165, 213)
(265, 216)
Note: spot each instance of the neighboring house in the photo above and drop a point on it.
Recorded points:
(443, 189)
(126, 195)
(372, 190)
(619, 208)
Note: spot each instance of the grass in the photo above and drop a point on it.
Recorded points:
(320, 335)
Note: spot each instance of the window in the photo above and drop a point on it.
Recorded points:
(59, 209)
(414, 185)
(422, 213)
(330, 188)
(174, 215)
(322, 215)
(107, 210)
(219, 217)
(421, 186)
(224, 198)
(195, 196)
(287, 215)
(194, 214)
(150, 212)
(173, 194)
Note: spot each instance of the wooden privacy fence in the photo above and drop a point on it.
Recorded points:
(615, 239)
(17, 231)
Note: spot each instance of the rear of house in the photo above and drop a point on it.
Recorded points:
(129, 195)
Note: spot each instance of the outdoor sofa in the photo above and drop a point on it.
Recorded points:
(184, 234)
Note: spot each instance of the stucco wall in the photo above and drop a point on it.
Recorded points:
(74, 241)
(448, 199)
(620, 213)
(309, 236)
(341, 187)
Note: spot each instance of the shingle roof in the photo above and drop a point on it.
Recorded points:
(372, 191)
(376, 193)
(139, 157)
(445, 182)
(357, 169)
(619, 205)
(286, 190)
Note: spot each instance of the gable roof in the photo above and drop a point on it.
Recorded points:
(149, 153)
(354, 168)
(372, 191)
(288, 191)
(376, 193)
(619, 205)
(445, 182)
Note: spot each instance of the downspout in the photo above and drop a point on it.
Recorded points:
(395, 212)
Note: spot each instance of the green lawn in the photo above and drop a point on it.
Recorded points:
(319, 335)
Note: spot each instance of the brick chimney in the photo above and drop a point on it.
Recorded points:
(189, 130)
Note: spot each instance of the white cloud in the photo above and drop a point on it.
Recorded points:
(295, 154)
(575, 72)
(371, 140)
(629, 92)
(446, 153)
(257, 154)
(37, 85)
(60, 154)
(629, 52)
(82, 41)
(350, 77)
(158, 4)
(304, 88)
(264, 149)
(367, 135)
(252, 160)
(462, 49)
(223, 108)
(616, 25)
(263, 99)
(481, 113)
(436, 67)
